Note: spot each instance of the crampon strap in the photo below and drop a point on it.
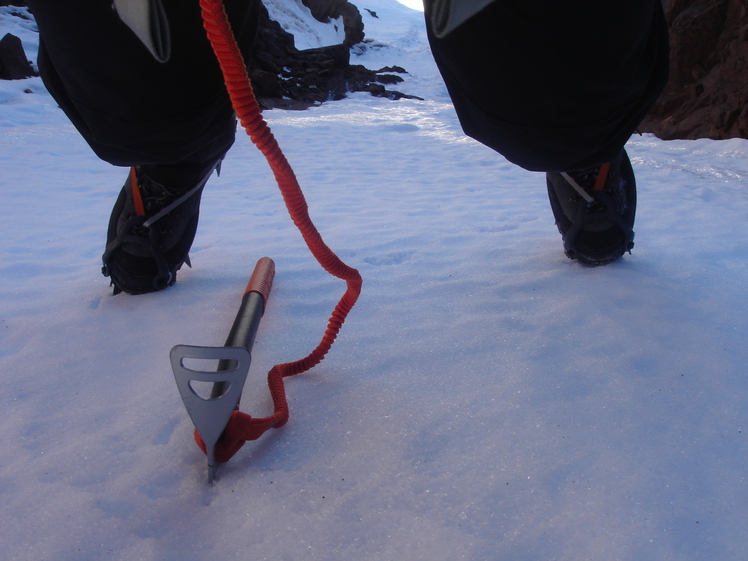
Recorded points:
(242, 427)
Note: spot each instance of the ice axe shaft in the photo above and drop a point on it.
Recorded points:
(255, 297)
(210, 415)
(244, 329)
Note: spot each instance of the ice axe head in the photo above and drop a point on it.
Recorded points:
(210, 414)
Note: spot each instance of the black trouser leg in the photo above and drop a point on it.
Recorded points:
(131, 109)
(556, 86)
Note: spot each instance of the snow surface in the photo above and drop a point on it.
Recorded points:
(415, 4)
(308, 33)
(488, 399)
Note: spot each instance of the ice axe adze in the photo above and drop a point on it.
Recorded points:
(210, 415)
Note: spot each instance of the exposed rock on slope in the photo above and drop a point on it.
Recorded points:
(708, 89)
(284, 77)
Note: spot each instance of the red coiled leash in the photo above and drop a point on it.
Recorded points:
(242, 427)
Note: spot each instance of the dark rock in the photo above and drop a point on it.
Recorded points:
(285, 77)
(708, 88)
(324, 10)
(13, 62)
(398, 69)
(388, 79)
(339, 56)
(353, 24)
(267, 82)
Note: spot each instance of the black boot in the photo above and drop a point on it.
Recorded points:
(152, 226)
(594, 210)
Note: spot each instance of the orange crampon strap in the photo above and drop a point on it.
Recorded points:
(602, 177)
(137, 199)
(242, 427)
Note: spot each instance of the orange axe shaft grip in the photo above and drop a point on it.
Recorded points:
(261, 280)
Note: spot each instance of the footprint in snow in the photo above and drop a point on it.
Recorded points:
(390, 259)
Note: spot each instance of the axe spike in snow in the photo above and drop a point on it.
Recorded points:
(210, 415)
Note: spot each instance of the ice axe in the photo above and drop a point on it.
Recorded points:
(211, 414)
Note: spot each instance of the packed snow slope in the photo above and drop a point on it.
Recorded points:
(488, 399)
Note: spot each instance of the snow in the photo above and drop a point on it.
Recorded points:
(308, 33)
(487, 398)
(414, 4)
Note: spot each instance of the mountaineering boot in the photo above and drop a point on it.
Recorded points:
(594, 210)
(152, 226)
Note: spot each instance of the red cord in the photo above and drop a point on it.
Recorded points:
(242, 427)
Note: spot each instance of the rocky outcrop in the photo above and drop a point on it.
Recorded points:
(13, 62)
(708, 88)
(325, 10)
(284, 77)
